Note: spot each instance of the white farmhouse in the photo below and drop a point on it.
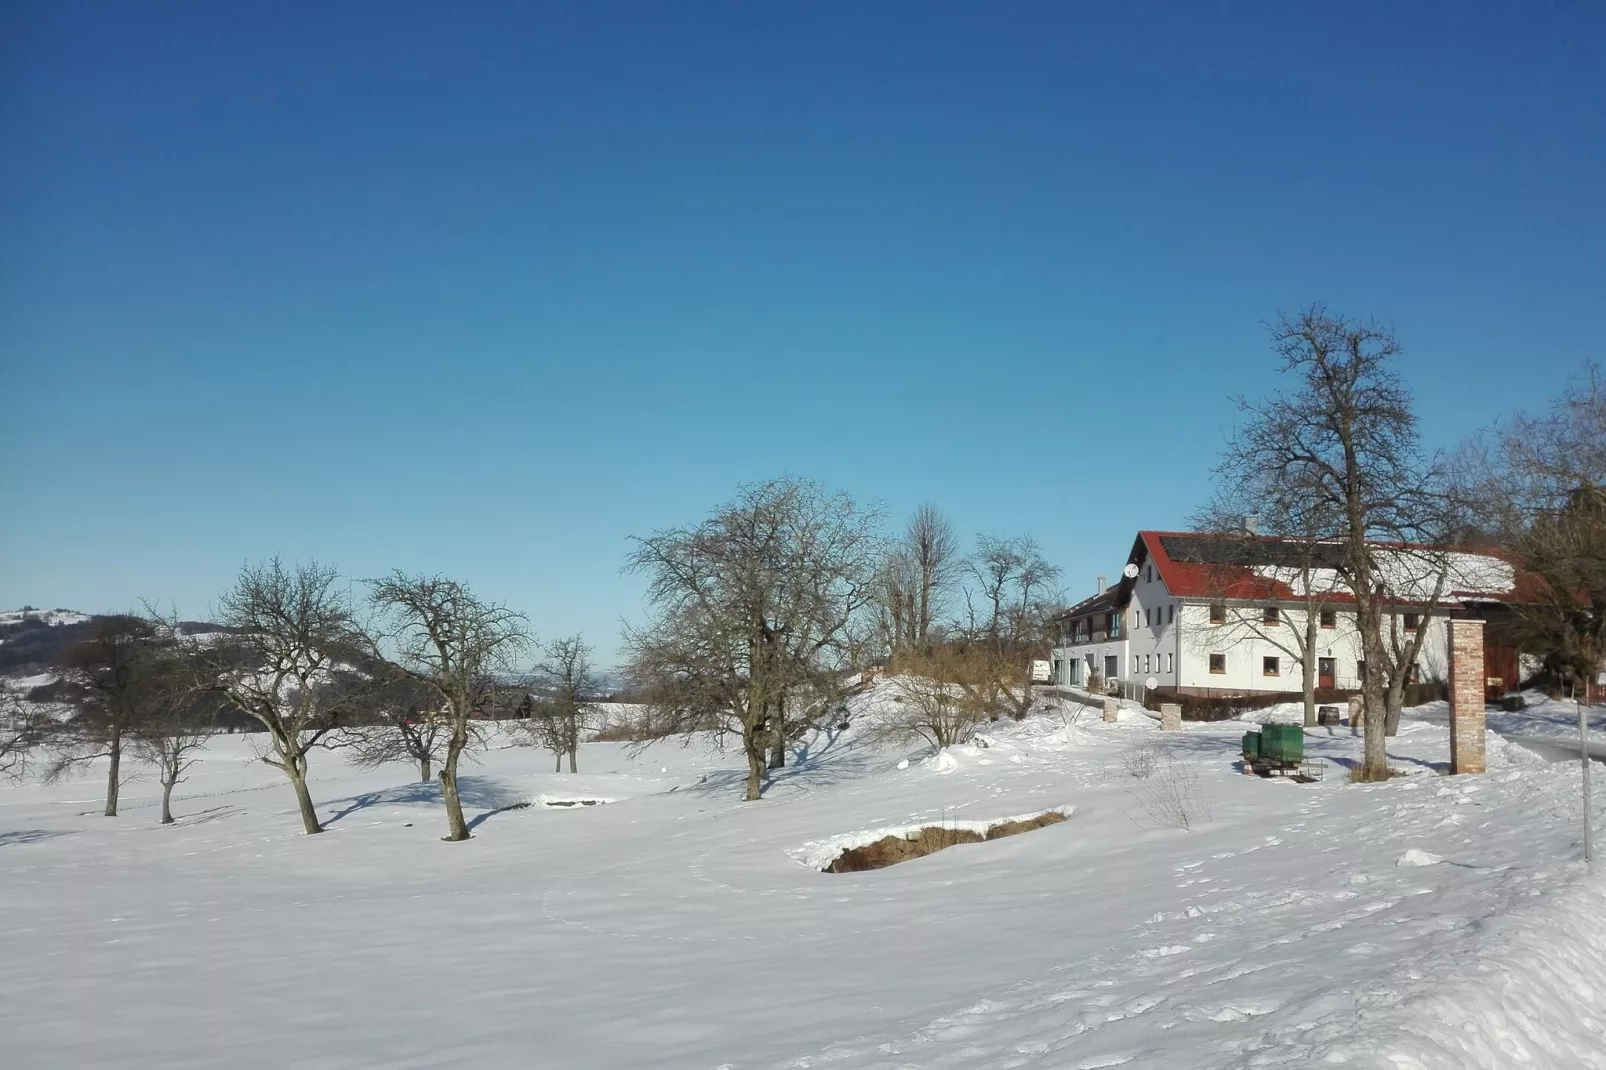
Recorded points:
(1209, 614)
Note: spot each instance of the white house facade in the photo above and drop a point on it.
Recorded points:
(1197, 616)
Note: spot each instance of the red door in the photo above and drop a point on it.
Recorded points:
(1324, 673)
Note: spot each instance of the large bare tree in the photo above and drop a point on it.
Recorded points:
(1343, 440)
(290, 632)
(459, 645)
(753, 606)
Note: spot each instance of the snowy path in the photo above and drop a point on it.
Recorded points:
(675, 928)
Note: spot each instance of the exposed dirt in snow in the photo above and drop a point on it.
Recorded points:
(890, 850)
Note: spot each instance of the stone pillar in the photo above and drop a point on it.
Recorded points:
(1110, 708)
(1465, 640)
(1357, 713)
(1170, 717)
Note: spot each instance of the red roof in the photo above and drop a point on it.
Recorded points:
(1204, 578)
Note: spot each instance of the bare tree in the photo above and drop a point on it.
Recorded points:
(457, 644)
(401, 722)
(172, 735)
(753, 604)
(1010, 600)
(1344, 441)
(1539, 485)
(115, 669)
(568, 687)
(937, 699)
(893, 598)
(1285, 551)
(23, 727)
(290, 631)
(933, 553)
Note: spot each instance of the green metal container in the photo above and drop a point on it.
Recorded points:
(1251, 746)
(1282, 742)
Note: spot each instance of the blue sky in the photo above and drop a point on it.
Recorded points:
(486, 289)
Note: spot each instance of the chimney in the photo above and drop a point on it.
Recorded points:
(1101, 586)
(1251, 525)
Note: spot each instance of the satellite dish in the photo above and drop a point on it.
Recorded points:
(1151, 683)
(1130, 572)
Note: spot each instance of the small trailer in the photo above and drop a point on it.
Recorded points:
(1279, 750)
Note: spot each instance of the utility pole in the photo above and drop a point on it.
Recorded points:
(1589, 802)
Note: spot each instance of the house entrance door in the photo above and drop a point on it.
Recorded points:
(1324, 672)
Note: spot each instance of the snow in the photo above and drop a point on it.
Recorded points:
(1409, 575)
(1542, 717)
(53, 617)
(678, 927)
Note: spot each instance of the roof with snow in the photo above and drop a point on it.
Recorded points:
(1241, 566)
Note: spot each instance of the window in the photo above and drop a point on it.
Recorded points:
(1171, 613)
(1413, 675)
(1146, 620)
(1218, 612)
(1410, 622)
(1329, 618)
(1115, 626)
(1149, 574)
(1145, 663)
(1218, 663)
(1270, 666)
(1270, 615)
(1169, 667)
(1109, 666)
(1360, 670)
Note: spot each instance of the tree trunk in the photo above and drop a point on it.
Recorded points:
(754, 747)
(113, 773)
(167, 800)
(425, 774)
(309, 813)
(1394, 702)
(777, 759)
(1376, 765)
(456, 827)
(1309, 661)
(557, 761)
(574, 762)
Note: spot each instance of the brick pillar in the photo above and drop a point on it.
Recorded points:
(1465, 640)
(1170, 717)
(1110, 708)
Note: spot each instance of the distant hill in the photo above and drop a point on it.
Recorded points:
(33, 640)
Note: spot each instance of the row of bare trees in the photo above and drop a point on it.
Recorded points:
(406, 673)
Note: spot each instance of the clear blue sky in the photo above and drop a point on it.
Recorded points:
(484, 289)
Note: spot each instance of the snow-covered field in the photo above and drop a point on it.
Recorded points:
(1425, 922)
